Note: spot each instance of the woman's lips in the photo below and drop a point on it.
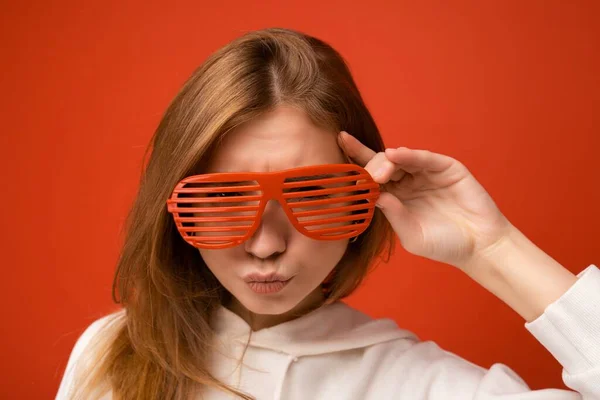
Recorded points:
(264, 284)
(268, 287)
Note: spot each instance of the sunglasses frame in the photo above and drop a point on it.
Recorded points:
(272, 186)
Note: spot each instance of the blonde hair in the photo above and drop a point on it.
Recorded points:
(159, 346)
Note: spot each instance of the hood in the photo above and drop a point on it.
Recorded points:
(330, 328)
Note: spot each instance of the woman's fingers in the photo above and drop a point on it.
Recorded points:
(379, 167)
(392, 164)
(357, 151)
(418, 160)
(383, 170)
(405, 224)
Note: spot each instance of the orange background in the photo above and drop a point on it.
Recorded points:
(510, 88)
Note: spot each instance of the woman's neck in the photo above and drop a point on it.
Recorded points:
(262, 321)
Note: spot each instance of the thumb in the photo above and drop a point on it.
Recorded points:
(402, 221)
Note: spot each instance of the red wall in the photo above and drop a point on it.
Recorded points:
(510, 88)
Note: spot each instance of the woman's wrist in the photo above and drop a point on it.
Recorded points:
(522, 275)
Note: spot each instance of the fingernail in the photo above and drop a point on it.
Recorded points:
(379, 172)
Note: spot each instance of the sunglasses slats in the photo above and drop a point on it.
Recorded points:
(216, 219)
(312, 213)
(214, 239)
(336, 208)
(320, 181)
(335, 200)
(340, 229)
(328, 191)
(215, 213)
(346, 218)
(323, 202)
(216, 209)
(232, 199)
(195, 186)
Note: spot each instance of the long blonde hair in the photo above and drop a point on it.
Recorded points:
(159, 346)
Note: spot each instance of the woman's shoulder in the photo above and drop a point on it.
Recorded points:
(426, 365)
(391, 351)
(97, 326)
(91, 339)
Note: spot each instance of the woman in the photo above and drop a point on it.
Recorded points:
(244, 302)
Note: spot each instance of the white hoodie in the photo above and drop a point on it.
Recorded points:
(336, 352)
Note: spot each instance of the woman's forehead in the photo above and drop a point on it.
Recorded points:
(278, 140)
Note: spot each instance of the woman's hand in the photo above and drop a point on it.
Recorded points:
(434, 204)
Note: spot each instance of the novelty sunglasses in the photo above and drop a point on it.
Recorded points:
(323, 202)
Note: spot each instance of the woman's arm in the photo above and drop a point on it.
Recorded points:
(520, 274)
(440, 211)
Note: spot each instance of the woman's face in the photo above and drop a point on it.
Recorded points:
(282, 139)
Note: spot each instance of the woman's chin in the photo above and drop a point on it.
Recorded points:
(268, 306)
(283, 302)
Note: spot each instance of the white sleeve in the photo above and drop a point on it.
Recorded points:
(569, 329)
(66, 385)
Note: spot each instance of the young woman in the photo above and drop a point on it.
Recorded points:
(267, 196)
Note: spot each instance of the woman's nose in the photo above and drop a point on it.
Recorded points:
(271, 236)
